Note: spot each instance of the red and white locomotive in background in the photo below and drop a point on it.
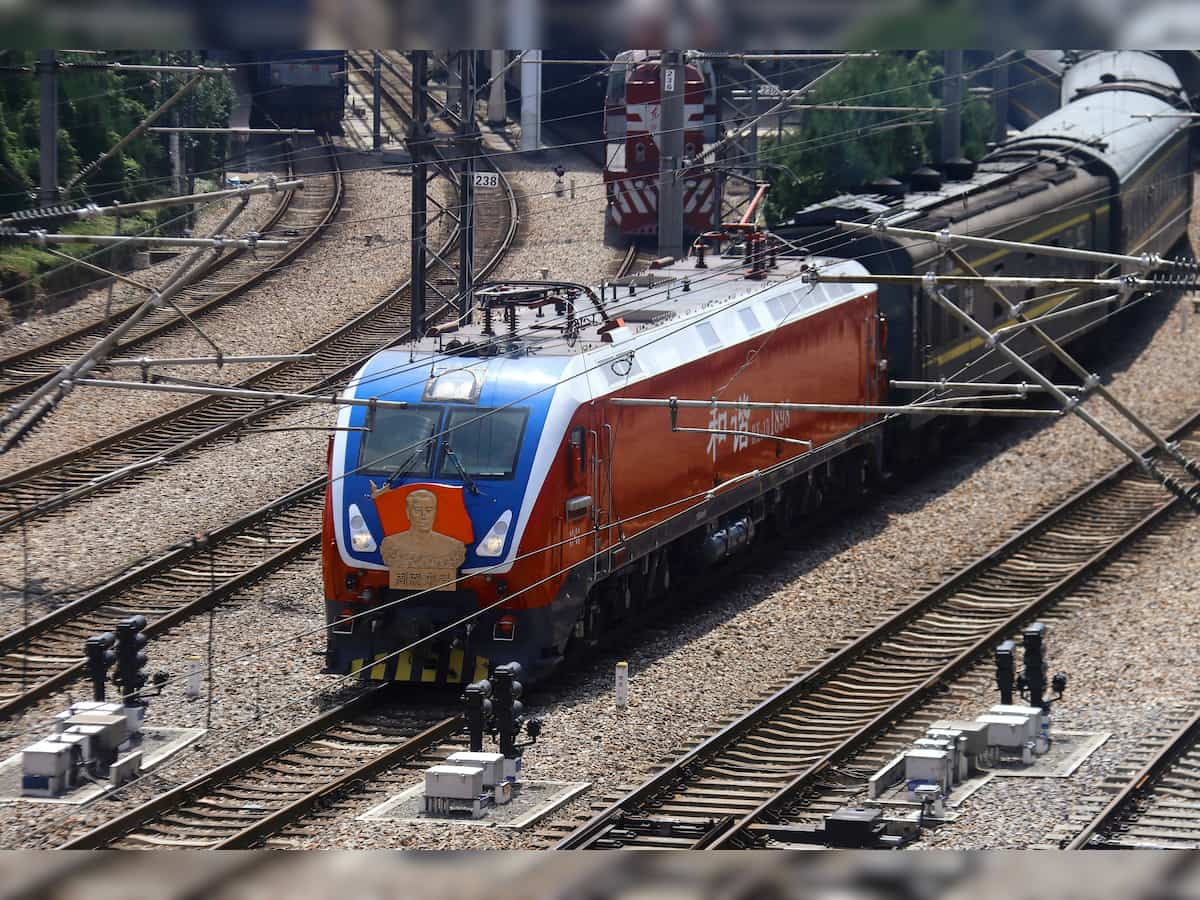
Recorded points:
(632, 126)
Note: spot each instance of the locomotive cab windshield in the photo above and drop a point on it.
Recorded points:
(485, 443)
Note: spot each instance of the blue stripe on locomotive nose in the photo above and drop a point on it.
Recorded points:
(526, 383)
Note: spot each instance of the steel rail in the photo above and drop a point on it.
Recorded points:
(342, 353)
(1135, 799)
(33, 356)
(734, 830)
(446, 117)
(916, 697)
(303, 740)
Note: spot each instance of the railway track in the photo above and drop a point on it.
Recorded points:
(396, 86)
(243, 802)
(757, 777)
(1158, 807)
(302, 215)
(54, 483)
(46, 655)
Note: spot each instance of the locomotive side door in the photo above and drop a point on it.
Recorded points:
(600, 440)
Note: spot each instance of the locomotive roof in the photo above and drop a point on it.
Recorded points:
(655, 298)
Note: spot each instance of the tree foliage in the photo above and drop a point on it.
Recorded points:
(96, 108)
(833, 151)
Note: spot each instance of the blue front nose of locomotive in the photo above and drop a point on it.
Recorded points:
(477, 424)
(481, 434)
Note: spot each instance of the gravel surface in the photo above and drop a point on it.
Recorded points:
(172, 505)
(565, 236)
(93, 539)
(827, 587)
(175, 502)
(90, 307)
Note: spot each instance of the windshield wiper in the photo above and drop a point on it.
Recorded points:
(406, 465)
(462, 471)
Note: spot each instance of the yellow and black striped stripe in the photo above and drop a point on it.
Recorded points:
(448, 667)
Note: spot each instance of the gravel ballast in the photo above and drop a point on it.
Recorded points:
(98, 536)
(176, 503)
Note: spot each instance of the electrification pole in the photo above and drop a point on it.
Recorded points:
(469, 145)
(670, 193)
(752, 169)
(952, 100)
(419, 147)
(376, 76)
(189, 156)
(531, 101)
(48, 111)
(173, 141)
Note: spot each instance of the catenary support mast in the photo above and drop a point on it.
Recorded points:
(419, 145)
(670, 193)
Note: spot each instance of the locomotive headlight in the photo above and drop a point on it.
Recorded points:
(493, 542)
(360, 534)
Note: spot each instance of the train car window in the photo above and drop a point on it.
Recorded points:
(486, 441)
(639, 151)
(396, 440)
(778, 306)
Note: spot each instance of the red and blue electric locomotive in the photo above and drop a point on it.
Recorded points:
(514, 507)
